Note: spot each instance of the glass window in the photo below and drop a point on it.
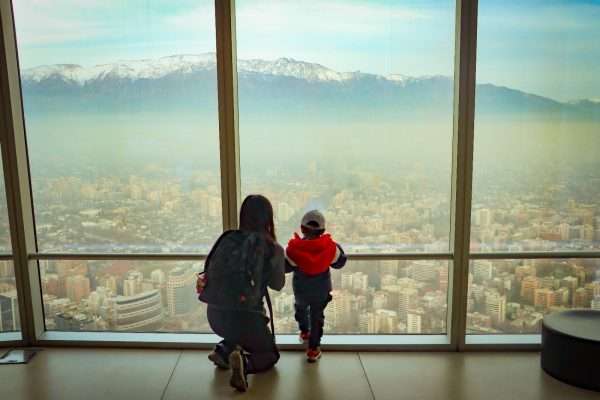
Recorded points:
(378, 297)
(120, 104)
(537, 127)
(122, 296)
(512, 296)
(9, 307)
(5, 246)
(346, 106)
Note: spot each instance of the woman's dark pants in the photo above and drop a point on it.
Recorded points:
(248, 330)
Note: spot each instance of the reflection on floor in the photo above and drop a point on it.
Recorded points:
(171, 374)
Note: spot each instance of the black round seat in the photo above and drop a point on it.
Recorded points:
(571, 347)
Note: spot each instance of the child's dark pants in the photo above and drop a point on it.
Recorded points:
(310, 314)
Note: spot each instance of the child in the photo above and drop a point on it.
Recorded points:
(309, 258)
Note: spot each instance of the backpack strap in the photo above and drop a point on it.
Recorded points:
(270, 307)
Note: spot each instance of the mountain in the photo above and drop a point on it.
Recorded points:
(284, 85)
(188, 64)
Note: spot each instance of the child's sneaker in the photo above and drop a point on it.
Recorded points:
(218, 359)
(304, 336)
(313, 355)
(239, 379)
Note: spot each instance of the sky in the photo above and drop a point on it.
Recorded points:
(546, 47)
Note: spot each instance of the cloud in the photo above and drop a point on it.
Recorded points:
(200, 18)
(41, 22)
(342, 17)
(45, 22)
(549, 18)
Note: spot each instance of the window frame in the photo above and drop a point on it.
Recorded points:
(25, 255)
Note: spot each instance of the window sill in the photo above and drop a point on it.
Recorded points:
(10, 337)
(485, 342)
(205, 341)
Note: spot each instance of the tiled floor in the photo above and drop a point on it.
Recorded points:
(91, 374)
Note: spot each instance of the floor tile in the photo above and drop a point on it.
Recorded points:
(89, 374)
(466, 376)
(414, 376)
(335, 376)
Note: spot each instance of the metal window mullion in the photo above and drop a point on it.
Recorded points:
(228, 111)
(197, 257)
(462, 168)
(16, 163)
(532, 255)
(118, 256)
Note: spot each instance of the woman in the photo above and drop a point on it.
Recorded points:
(239, 268)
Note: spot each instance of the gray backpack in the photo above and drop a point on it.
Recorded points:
(234, 272)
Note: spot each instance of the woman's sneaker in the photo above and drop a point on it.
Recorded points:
(313, 355)
(239, 379)
(304, 336)
(218, 359)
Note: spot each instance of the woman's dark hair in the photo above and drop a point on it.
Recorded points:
(256, 215)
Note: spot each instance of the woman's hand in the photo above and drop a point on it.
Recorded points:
(200, 283)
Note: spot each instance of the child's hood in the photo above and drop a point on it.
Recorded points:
(312, 256)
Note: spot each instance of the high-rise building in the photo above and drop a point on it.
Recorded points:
(380, 300)
(181, 295)
(6, 270)
(51, 284)
(9, 312)
(137, 313)
(576, 232)
(547, 282)
(528, 287)
(407, 300)
(386, 321)
(389, 267)
(73, 321)
(495, 306)
(543, 298)
(424, 270)
(596, 303)
(414, 322)
(478, 322)
(483, 217)
(596, 288)
(77, 287)
(580, 299)
(98, 298)
(347, 280)
(524, 270)
(360, 281)
(443, 279)
(482, 270)
(367, 322)
(564, 230)
(158, 277)
(339, 309)
(131, 287)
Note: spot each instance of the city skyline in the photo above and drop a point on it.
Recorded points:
(495, 287)
(351, 115)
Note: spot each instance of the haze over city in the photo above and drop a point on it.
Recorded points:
(122, 131)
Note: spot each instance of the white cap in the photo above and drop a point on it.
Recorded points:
(313, 220)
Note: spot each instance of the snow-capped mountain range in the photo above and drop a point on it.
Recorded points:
(164, 66)
(285, 83)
